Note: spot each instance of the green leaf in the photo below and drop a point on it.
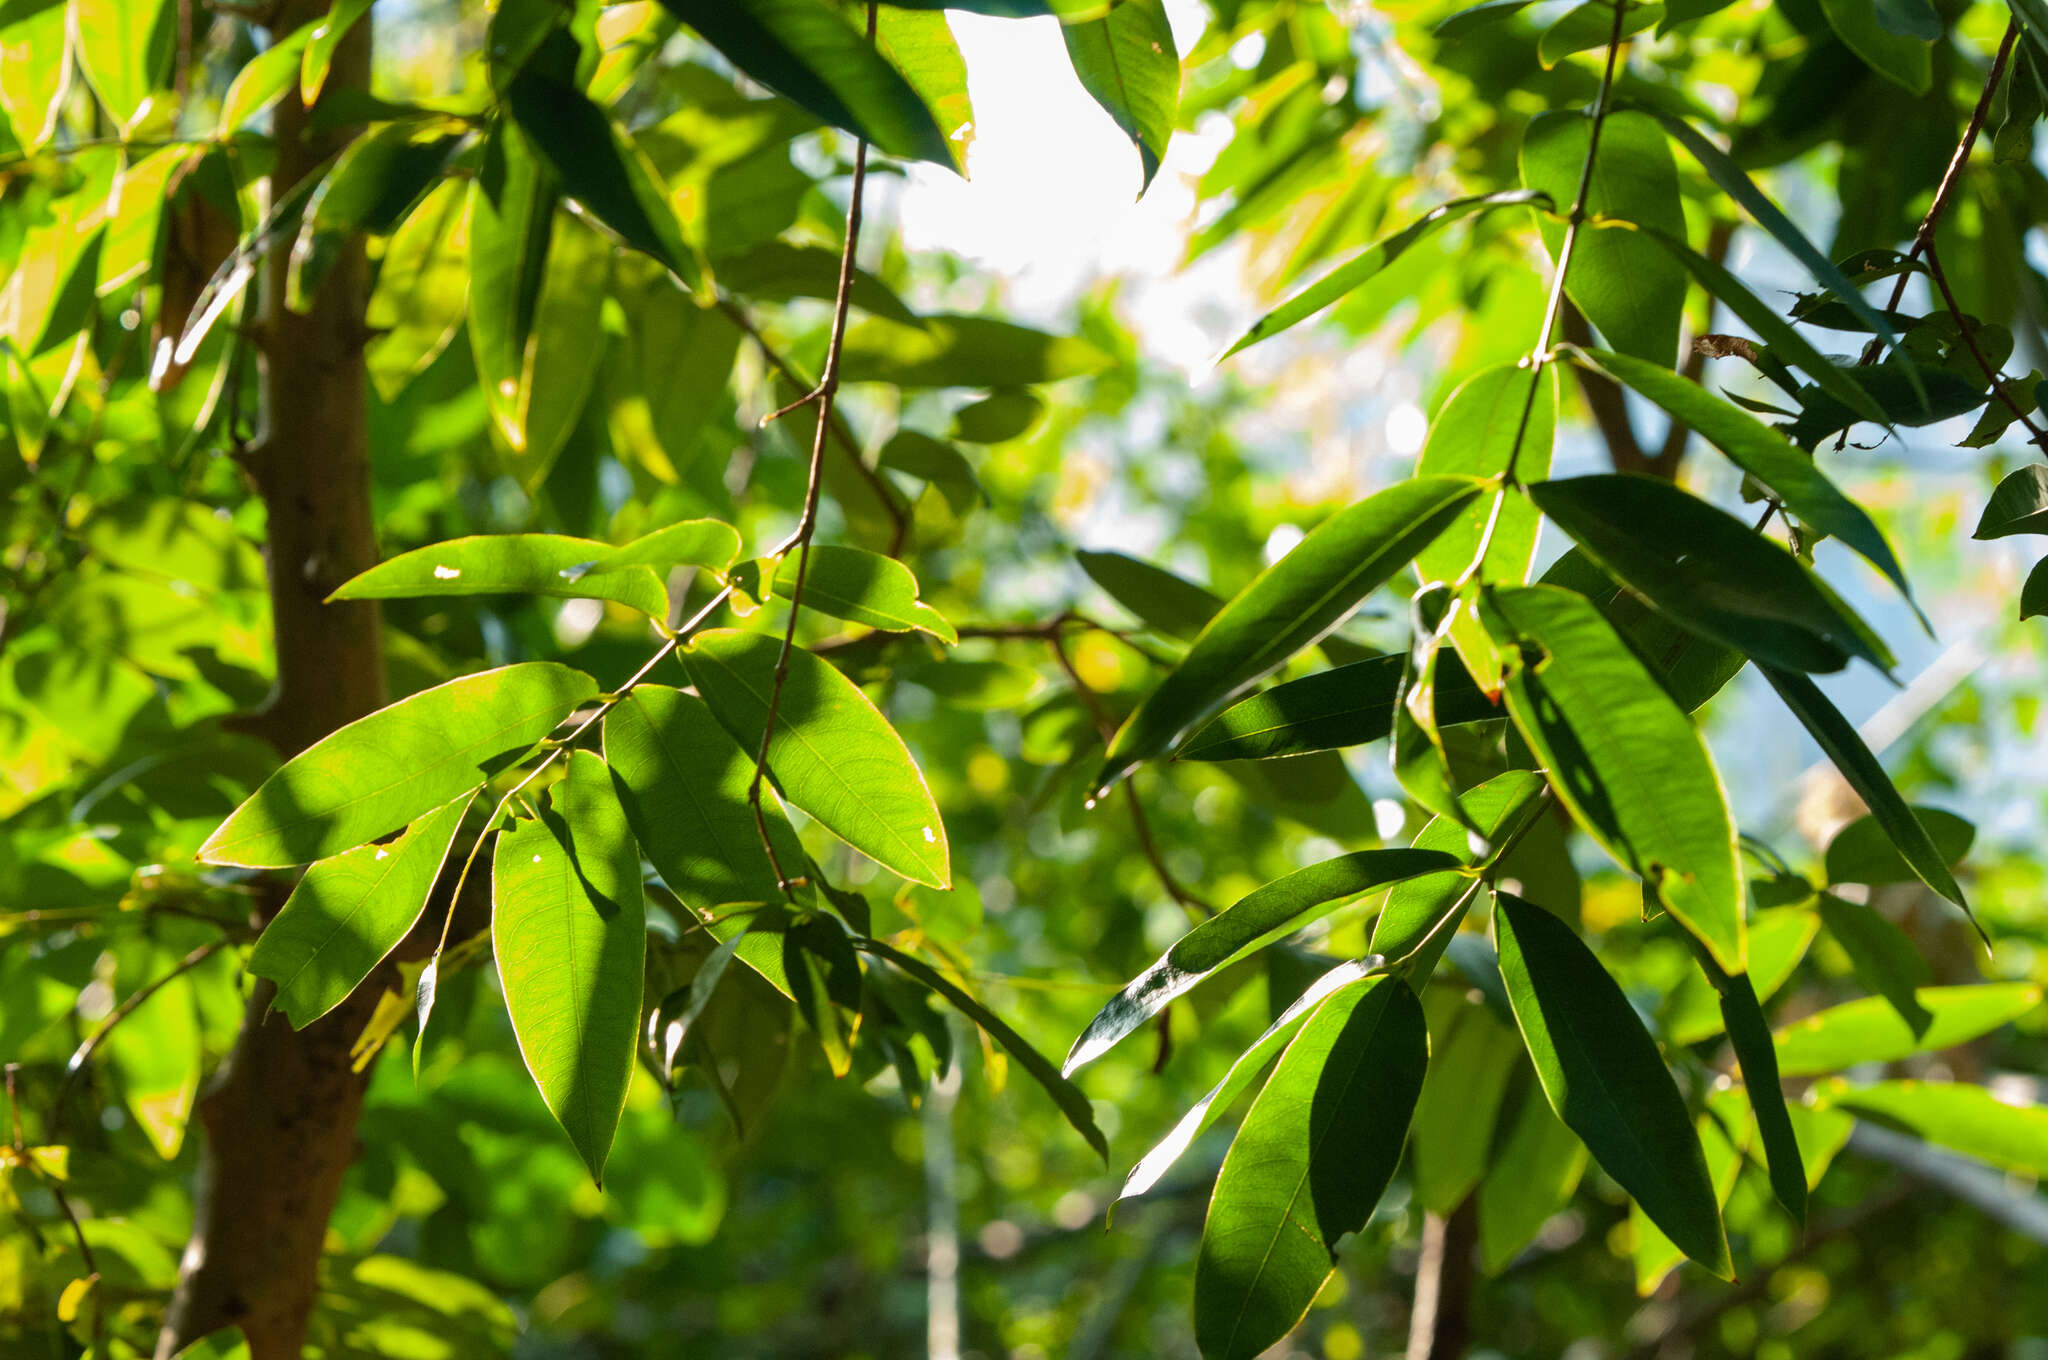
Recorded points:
(1863, 852)
(1602, 1074)
(1065, 1094)
(1005, 414)
(1709, 571)
(1626, 285)
(935, 461)
(155, 1052)
(708, 543)
(374, 184)
(1743, 1016)
(1287, 607)
(2018, 506)
(1968, 1119)
(1344, 706)
(398, 764)
(963, 351)
(1502, 415)
(684, 783)
(509, 564)
(1884, 959)
(1908, 19)
(1127, 62)
(596, 161)
(123, 47)
(862, 587)
(1159, 599)
(422, 292)
(1362, 267)
(1461, 1099)
(1778, 940)
(1478, 16)
(1313, 1158)
(1246, 1069)
(1859, 766)
(1624, 757)
(569, 931)
(1655, 1254)
(1252, 922)
(1421, 915)
(1591, 25)
(1761, 452)
(806, 52)
(922, 47)
(511, 221)
(33, 82)
(320, 47)
(833, 754)
(263, 81)
(1907, 62)
(1872, 1031)
(1531, 1177)
(2034, 594)
(1782, 337)
(1766, 214)
(775, 271)
(349, 912)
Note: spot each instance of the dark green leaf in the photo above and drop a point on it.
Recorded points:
(1603, 1075)
(1840, 740)
(1627, 286)
(2018, 506)
(569, 931)
(1345, 706)
(1884, 958)
(833, 754)
(1863, 852)
(1287, 607)
(1778, 940)
(1968, 1119)
(935, 461)
(1908, 19)
(1591, 25)
(1761, 452)
(2034, 594)
(1127, 62)
(374, 184)
(1907, 62)
(808, 53)
(684, 784)
(1162, 601)
(1065, 1094)
(1280, 907)
(1872, 1031)
(862, 587)
(1005, 414)
(509, 564)
(1477, 17)
(1710, 571)
(963, 351)
(1314, 1155)
(775, 271)
(1743, 1016)
(1360, 268)
(348, 912)
(1624, 758)
(398, 764)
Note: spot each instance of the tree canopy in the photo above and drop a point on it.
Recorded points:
(588, 704)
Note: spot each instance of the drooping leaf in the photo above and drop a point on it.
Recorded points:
(398, 764)
(1284, 905)
(691, 542)
(1603, 1075)
(1128, 63)
(511, 222)
(1762, 453)
(1531, 1178)
(862, 587)
(1710, 571)
(1884, 959)
(963, 351)
(1965, 1118)
(1627, 286)
(1743, 1016)
(348, 912)
(1314, 1155)
(1859, 766)
(1906, 61)
(2018, 506)
(1287, 607)
(832, 754)
(1246, 1069)
(1778, 940)
(1344, 706)
(807, 52)
(1065, 1094)
(1362, 267)
(684, 783)
(509, 564)
(1872, 1031)
(1655, 1254)
(1624, 758)
(569, 931)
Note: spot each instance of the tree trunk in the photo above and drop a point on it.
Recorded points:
(280, 1113)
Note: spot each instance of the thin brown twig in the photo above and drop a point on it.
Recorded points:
(826, 390)
(129, 1005)
(1990, 370)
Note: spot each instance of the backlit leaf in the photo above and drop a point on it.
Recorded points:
(1344, 706)
(862, 587)
(1872, 1031)
(1161, 600)
(509, 564)
(1743, 1017)
(1884, 958)
(1532, 1177)
(707, 543)
(1955, 1115)
(1127, 62)
(963, 351)
(124, 49)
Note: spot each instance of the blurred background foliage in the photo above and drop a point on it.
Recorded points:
(806, 1215)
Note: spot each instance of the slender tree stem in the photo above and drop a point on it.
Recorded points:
(826, 390)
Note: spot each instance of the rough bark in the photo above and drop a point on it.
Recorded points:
(280, 1113)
